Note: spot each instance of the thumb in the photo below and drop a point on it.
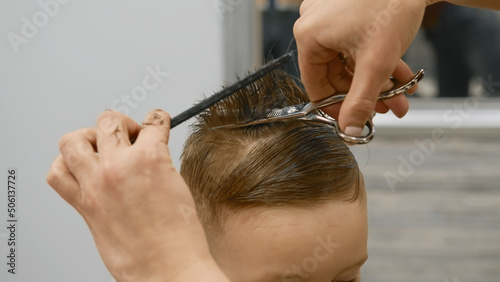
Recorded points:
(156, 129)
(371, 74)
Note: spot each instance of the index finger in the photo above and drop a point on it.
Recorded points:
(315, 79)
(114, 130)
(313, 64)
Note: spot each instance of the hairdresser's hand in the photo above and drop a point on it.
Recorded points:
(137, 206)
(374, 35)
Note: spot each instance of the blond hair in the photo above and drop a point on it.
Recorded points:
(292, 163)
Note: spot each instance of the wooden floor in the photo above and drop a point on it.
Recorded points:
(440, 221)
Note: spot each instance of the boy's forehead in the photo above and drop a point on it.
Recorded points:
(274, 240)
(302, 220)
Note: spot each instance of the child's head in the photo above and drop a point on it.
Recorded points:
(282, 201)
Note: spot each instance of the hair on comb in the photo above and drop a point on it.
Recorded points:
(276, 89)
(235, 87)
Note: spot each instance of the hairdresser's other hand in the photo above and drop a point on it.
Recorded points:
(374, 34)
(137, 206)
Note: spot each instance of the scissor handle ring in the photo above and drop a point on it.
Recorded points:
(349, 139)
(356, 140)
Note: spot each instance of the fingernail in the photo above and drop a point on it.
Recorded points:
(154, 119)
(353, 131)
(412, 90)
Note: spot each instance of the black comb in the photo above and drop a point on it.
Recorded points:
(210, 101)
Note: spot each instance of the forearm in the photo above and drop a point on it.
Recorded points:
(487, 4)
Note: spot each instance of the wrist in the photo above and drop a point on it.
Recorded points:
(193, 267)
(175, 257)
(206, 270)
(190, 260)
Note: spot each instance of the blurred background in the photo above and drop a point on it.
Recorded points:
(433, 178)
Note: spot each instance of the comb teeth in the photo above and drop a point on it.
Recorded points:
(237, 86)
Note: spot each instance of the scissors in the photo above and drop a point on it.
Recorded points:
(308, 112)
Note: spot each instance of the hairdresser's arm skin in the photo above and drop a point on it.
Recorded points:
(137, 206)
(375, 34)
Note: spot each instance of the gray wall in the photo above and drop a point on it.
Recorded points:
(242, 38)
(80, 60)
